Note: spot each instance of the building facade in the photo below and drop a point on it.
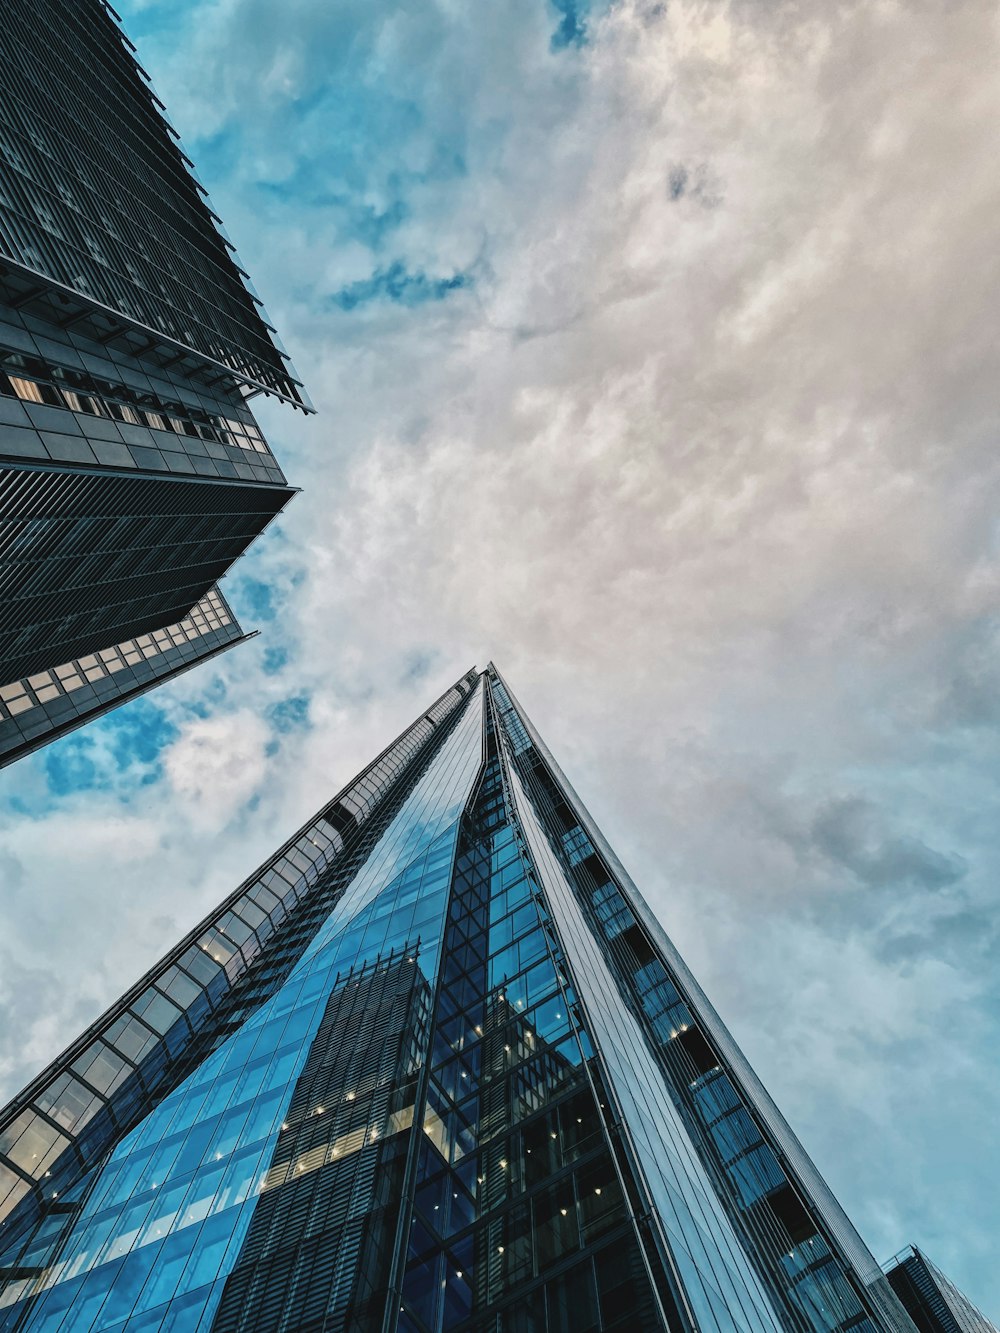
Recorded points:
(132, 471)
(435, 1065)
(931, 1300)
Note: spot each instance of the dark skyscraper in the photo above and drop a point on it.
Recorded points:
(132, 473)
(434, 1066)
(933, 1302)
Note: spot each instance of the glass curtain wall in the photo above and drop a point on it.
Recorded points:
(442, 1072)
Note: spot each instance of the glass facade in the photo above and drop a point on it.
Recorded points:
(429, 1069)
(48, 704)
(99, 201)
(932, 1300)
(90, 559)
(132, 471)
(142, 420)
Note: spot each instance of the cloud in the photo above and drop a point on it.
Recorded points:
(28, 990)
(704, 455)
(216, 765)
(847, 830)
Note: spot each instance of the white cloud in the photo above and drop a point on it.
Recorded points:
(215, 765)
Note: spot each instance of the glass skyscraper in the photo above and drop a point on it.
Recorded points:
(132, 472)
(932, 1300)
(435, 1065)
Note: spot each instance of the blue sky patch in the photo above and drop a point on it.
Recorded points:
(273, 660)
(398, 285)
(140, 732)
(133, 737)
(255, 599)
(69, 767)
(572, 29)
(291, 713)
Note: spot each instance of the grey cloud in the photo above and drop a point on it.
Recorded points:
(969, 690)
(677, 180)
(958, 935)
(35, 1021)
(850, 832)
(700, 185)
(12, 875)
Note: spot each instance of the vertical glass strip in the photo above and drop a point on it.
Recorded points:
(717, 1277)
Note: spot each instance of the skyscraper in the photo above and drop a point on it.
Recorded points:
(931, 1300)
(132, 472)
(434, 1066)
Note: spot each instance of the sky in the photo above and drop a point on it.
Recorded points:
(654, 353)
